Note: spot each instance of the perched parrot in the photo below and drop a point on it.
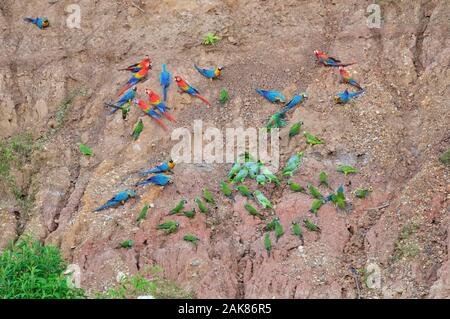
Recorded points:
(234, 170)
(143, 213)
(241, 176)
(278, 120)
(279, 231)
(296, 187)
(120, 198)
(292, 164)
(346, 78)
(272, 96)
(311, 139)
(145, 63)
(139, 127)
(362, 192)
(244, 191)
(186, 88)
(345, 97)
(295, 100)
(201, 205)
(163, 167)
(326, 60)
(226, 190)
(310, 225)
(346, 169)
(269, 175)
(179, 207)
(155, 101)
(316, 204)
(159, 179)
(208, 197)
(295, 129)
(253, 168)
(315, 192)
(147, 109)
(252, 211)
(122, 100)
(164, 80)
(267, 244)
(191, 238)
(262, 200)
(271, 225)
(41, 23)
(261, 179)
(209, 73)
(189, 213)
(339, 198)
(323, 179)
(169, 226)
(297, 230)
(135, 79)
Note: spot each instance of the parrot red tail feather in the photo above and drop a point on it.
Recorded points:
(169, 117)
(203, 99)
(161, 124)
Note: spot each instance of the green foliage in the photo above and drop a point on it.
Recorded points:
(133, 286)
(29, 270)
(210, 39)
(445, 157)
(224, 96)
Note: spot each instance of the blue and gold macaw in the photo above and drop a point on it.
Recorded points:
(295, 100)
(160, 179)
(164, 80)
(41, 23)
(272, 96)
(120, 198)
(163, 167)
(342, 98)
(209, 73)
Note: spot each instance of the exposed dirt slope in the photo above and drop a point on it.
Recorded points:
(394, 134)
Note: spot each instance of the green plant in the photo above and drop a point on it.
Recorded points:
(29, 270)
(224, 96)
(85, 150)
(445, 157)
(210, 39)
(131, 287)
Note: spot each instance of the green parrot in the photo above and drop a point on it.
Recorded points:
(346, 169)
(226, 190)
(279, 231)
(262, 200)
(179, 207)
(169, 226)
(201, 205)
(278, 120)
(253, 168)
(261, 179)
(267, 244)
(292, 164)
(246, 157)
(143, 213)
(315, 192)
(310, 225)
(125, 109)
(191, 238)
(296, 230)
(295, 129)
(271, 226)
(127, 243)
(295, 187)
(323, 178)
(311, 139)
(234, 170)
(208, 197)
(241, 176)
(317, 203)
(362, 192)
(138, 129)
(244, 191)
(252, 210)
(269, 175)
(189, 213)
(339, 198)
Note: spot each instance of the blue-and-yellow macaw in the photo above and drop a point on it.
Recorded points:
(295, 100)
(120, 198)
(41, 23)
(342, 98)
(162, 168)
(122, 100)
(160, 179)
(209, 73)
(272, 96)
(164, 80)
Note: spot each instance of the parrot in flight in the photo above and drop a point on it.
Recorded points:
(41, 23)
(209, 73)
(134, 68)
(135, 79)
(272, 96)
(295, 100)
(155, 101)
(345, 77)
(163, 167)
(187, 88)
(120, 198)
(160, 179)
(164, 80)
(327, 60)
(146, 108)
(343, 98)
(122, 100)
